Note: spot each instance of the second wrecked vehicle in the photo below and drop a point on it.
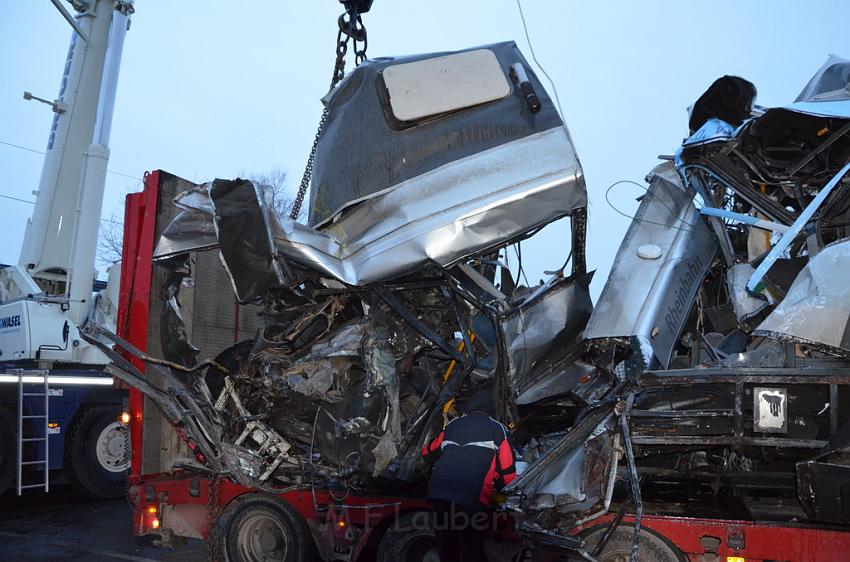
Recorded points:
(716, 357)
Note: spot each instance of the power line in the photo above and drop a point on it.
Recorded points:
(17, 199)
(123, 175)
(537, 62)
(113, 221)
(19, 147)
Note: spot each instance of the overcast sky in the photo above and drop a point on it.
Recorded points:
(214, 89)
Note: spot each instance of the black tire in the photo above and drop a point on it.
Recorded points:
(410, 539)
(84, 468)
(653, 547)
(262, 527)
(8, 450)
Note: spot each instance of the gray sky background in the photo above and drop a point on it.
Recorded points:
(213, 88)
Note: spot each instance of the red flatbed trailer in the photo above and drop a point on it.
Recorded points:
(184, 504)
(179, 505)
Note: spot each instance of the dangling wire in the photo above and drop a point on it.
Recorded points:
(537, 62)
(686, 227)
(520, 271)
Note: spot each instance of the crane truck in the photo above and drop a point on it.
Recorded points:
(58, 408)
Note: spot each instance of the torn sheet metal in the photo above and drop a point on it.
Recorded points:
(439, 218)
(575, 475)
(837, 108)
(192, 229)
(767, 353)
(649, 295)
(563, 379)
(465, 207)
(365, 150)
(542, 328)
(745, 305)
(830, 82)
(816, 309)
(713, 130)
(824, 485)
(243, 218)
(189, 232)
(347, 341)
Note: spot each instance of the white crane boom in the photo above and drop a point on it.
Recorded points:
(49, 292)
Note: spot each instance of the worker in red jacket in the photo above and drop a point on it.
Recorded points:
(472, 458)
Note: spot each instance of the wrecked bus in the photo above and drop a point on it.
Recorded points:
(707, 379)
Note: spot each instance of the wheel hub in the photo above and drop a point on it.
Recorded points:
(269, 541)
(261, 539)
(418, 547)
(113, 447)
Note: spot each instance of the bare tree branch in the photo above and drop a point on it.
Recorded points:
(282, 199)
(110, 240)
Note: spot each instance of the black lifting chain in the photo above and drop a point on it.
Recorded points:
(214, 541)
(351, 28)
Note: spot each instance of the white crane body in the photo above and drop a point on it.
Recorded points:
(48, 294)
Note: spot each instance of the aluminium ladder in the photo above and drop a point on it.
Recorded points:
(39, 420)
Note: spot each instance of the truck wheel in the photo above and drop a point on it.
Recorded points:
(653, 548)
(97, 453)
(264, 528)
(410, 539)
(8, 452)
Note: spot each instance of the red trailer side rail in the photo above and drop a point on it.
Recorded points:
(722, 540)
(182, 502)
(179, 503)
(134, 298)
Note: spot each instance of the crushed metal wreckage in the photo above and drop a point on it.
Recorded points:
(717, 356)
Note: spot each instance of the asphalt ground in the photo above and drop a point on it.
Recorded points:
(65, 526)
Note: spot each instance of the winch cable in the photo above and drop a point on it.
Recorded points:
(351, 28)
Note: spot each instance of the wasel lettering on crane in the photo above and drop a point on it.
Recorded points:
(10, 321)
